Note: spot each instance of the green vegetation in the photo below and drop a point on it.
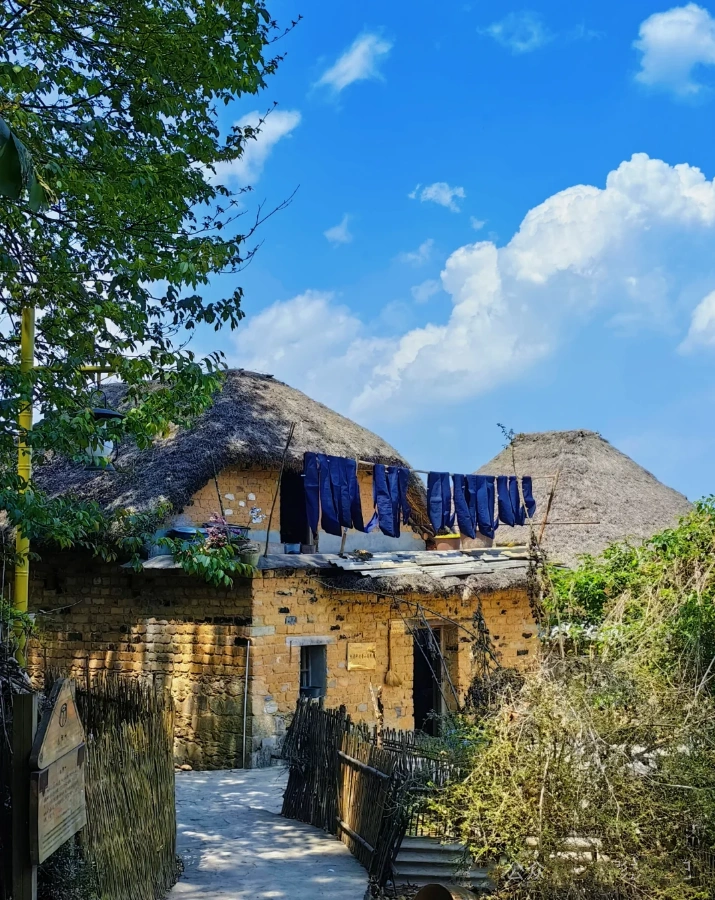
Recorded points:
(215, 558)
(111, 108)
(594, 775)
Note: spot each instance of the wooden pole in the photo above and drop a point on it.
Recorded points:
(24, 725)
(278, 485)
(24, 471)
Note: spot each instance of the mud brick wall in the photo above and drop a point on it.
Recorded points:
(178, 631)
(290, 606)
(236, 483)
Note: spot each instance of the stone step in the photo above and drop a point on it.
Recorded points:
(425, 844)
(426, 861)
(437, 875)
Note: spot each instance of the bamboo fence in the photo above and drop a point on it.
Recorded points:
(130, 839)
(352, 781)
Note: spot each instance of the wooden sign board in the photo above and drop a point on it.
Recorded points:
(57, 804)
(60, 729)
(361, 657)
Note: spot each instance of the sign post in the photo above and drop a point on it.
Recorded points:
(57, 800)
(24, 724)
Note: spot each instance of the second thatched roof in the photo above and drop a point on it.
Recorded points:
(248, 424)
(588, 493)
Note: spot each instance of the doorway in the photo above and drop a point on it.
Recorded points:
(426, 680)
(294, 518)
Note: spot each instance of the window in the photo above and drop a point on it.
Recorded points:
(313, 670)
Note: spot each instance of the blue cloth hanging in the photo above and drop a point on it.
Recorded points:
(389, 490)
(465, 503)
(511, 510)
(439, 498)
(312, 490)
(527, 491)
(487, 518)
(329, 486)
(506, 511)
(339, 493)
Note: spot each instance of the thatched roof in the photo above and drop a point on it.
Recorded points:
(608, 495)
(248, 423)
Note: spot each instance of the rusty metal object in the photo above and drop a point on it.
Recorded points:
(444, 892)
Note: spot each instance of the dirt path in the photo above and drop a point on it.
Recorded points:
(235, 845)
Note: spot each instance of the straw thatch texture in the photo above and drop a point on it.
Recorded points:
(501, 579)
(598, 486)
(248, 424)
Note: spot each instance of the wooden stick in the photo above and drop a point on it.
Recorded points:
(24, 725)
(278, 485)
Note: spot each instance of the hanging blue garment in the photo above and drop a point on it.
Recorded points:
(439, 498)
(383, 500)
(312, 490)
(398, 478)
(506, 513)
(511, 511)
(331, 486)
(329, 519)
(487, 519)
(389, 490)
(354, 493)
(527, 491)
(465, 503)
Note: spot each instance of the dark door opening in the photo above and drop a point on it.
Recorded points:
(294, 519)
(426, 694)
(313, 671)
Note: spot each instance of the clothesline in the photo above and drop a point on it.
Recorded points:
(364, 462)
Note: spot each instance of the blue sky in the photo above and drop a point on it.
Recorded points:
(504, 214)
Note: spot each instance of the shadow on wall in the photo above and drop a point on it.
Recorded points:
(202, 665)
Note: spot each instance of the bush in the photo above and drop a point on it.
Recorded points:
(595, 776)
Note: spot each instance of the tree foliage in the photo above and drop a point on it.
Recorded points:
(594, 775)
(117, 105)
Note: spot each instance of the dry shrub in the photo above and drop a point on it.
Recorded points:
(594, 777)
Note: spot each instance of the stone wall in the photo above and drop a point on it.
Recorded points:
(289, 608)
(186, 636)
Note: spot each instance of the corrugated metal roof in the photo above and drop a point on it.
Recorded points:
(435, 563)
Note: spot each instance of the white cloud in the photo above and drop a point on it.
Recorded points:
(674, 45)
(520, 32)
(636, 248)
(311, 341)
(702, 325)
(423, 292)
(359, 62)
(439, 192)
(248, 168)
(340, 233)
(419, 256)
(477, 224)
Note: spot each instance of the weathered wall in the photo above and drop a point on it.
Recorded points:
(191, 640)
(288, 607)
(236, 484)
(182, 633)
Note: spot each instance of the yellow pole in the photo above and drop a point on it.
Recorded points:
(24, 470)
